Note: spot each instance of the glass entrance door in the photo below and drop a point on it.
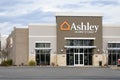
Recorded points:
(78, 59)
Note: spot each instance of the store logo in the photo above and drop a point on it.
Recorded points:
(79, 28)
(65, 26)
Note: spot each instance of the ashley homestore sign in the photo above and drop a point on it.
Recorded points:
(79, 28)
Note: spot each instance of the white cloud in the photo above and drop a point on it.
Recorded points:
(6, 27)
(58, 5)
(111, 9)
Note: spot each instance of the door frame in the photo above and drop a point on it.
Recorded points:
(79, 59)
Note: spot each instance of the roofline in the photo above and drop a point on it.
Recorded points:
(111, 25)
(17, 27)
(78, 14)
(49, 24)
(41, 24)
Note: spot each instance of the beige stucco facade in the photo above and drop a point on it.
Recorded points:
(17, 46)
(42, 33)
(53, 61)
(61, 59)
(97, 58)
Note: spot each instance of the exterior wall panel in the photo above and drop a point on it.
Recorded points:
(110, 34)
(17, 46)
(41, 33)
(21, 46)
(97, 20)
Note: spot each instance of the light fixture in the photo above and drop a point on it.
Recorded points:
(98, 50)
(61, 50)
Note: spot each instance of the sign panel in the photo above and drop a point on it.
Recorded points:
(79, 28)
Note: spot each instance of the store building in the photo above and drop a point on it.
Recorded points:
(77, 39)
(79, 36)
(111, 43)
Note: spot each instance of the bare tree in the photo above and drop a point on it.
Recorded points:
(4, 54)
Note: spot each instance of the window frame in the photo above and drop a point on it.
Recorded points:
(45, 45)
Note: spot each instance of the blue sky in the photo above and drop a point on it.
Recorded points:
(20, 13)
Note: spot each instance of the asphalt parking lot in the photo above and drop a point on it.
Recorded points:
(58, 73)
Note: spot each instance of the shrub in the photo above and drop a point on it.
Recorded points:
(9, 62)
(6, 62)
(32, 63)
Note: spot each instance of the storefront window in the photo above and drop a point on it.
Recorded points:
(113, 45)
(88, 42)
(118, 45)
(42, 45)
(43, 57)
(70, 59)
(113, 53)
(72, 51)
(76, 55)
(42, 53)
(113, 56)
(71, 43)
(88, 56)
(77, 42)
